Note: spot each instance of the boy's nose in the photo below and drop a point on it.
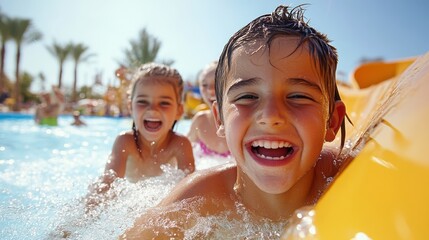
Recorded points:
(272, 113)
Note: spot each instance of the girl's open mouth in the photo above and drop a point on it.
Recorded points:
(152, 125)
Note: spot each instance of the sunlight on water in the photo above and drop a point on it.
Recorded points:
(45, 173)
(109, 219)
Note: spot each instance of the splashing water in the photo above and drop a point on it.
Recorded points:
(45, 173)
(113, 216)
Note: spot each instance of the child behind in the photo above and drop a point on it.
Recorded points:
(51, 106)
(203, 127)
(155, 103)
(76, 119)
(276, 105)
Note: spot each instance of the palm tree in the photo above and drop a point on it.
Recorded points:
(5, 37)
(77, 52)
(61, 53)
(42, 81)
(143, 50)
(21, 31)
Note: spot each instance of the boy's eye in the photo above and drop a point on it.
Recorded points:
(165, 103)
(245, 98)
(300, 97)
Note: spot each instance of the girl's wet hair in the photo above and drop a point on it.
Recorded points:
(284, 21)
(165, 74)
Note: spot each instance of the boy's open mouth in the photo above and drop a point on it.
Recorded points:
(152, 125)
(272, 150)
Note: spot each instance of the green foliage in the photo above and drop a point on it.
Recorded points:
(21, 31)
(60, 52)
(78, 53)
(27, 95)
(143, 50)
(86, 92)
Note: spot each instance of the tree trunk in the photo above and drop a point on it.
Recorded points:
(75, 84)
(17, 106)
(2, 77)
(60, 76)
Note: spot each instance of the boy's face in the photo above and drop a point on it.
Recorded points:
(275, 113)
(207, 88)
(154, 108)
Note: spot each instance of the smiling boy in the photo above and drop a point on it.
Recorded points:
(276, 104)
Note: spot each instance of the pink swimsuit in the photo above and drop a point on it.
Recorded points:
(208, 151)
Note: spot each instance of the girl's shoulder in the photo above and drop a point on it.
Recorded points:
(177, 135)
(178, 138)
(202, 115)
(125, 137)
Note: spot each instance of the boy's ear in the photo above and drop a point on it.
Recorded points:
(335, 121)
(219, 125)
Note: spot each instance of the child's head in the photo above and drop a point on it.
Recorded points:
(277, 101)
(155, 99)
(157, 73)
(206, 82)
(259, 35)
(76, 114)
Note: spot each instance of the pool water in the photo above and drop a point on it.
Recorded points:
(45, 173)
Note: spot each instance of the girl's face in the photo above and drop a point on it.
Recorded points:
(154, 108)
(207, 89)
(275, 114)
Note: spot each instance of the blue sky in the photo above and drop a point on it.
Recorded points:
(193, 32)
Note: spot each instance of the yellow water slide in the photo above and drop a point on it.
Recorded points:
(371, 73)
(382, 193)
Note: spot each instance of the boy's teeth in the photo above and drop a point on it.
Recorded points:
(270, 144)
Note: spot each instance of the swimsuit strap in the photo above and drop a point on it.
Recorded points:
(208, 151)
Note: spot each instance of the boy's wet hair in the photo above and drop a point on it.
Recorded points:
(165, 73)
(284, 21)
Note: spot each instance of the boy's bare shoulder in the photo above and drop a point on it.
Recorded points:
(217, 181)
(328, 163)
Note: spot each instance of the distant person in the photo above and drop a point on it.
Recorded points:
(277, 103)
(51, 106)
(76, 119)
(4, 94)
(156, 104)
(203, 127)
